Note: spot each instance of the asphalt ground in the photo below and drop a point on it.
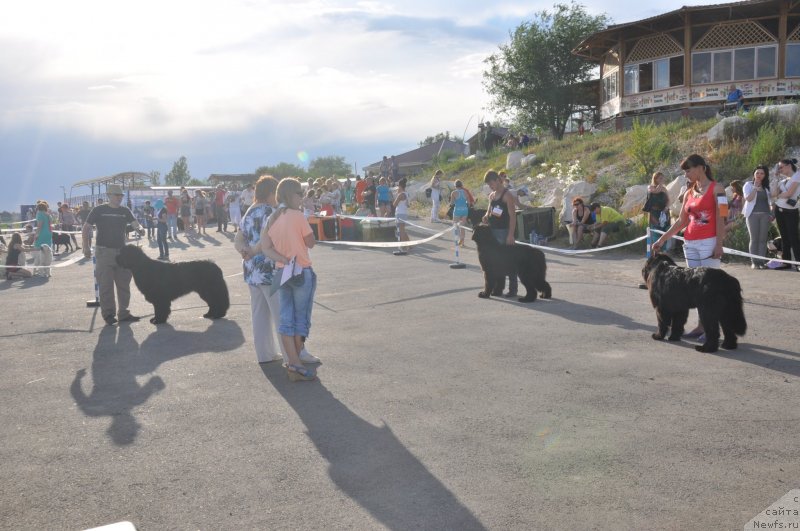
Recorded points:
(434, 409)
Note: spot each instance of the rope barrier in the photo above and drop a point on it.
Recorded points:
(736, 252)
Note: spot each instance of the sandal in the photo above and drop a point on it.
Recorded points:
(299, 373)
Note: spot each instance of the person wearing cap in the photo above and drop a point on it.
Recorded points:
(111, 220)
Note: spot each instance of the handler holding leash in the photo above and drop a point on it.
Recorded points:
(704, 210)
(111, 220)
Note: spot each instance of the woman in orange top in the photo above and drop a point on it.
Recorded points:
(288, 236)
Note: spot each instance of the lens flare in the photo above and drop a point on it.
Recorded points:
(302, 156)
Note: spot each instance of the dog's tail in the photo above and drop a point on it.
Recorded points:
(733, 311)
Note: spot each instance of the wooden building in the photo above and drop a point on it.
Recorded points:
(686, 60)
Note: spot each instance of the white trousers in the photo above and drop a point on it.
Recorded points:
(265, 310)
(699, 253)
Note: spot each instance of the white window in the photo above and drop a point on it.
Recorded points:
(661, 72)
(766, 61)
(744, 64)
(701, 68)
(610, 87)
(631, 79)
(737, 64)
(793, 60)
(722, 66)
(654, 75)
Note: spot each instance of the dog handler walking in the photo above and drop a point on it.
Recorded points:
(703, 215)
(111, 220)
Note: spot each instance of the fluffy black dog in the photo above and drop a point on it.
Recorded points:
(61, 239)
(163, 282)
(499, 260)
(716, 295)
(475, 216)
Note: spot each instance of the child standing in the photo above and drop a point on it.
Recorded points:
(161, 234)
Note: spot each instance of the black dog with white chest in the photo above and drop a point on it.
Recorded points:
(716, 295)
(499, 260)
(163, 282)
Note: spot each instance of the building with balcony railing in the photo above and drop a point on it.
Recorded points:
(685, 61)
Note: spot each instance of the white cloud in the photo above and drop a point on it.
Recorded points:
(169, 71)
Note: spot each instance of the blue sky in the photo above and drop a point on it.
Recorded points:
(94, 88)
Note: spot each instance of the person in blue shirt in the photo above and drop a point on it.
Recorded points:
(736, 96)
(384, 197)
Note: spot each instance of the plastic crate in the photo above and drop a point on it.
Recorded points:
(540, 219)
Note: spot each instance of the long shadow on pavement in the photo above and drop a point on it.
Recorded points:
(580, 313)
(370, 464)
(118, 359)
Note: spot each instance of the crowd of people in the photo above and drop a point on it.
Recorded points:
(273, 233)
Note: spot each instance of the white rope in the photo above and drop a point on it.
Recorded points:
(736, 252)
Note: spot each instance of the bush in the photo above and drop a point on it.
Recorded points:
(769, 145)
(731, 162)
(650, 148)
(602, 154)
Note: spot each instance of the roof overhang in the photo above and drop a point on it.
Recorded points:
(596, 45)
(123, 177)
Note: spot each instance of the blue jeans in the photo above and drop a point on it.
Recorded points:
(296, 304)
(501, 235)
(172, 221)
(161, 237)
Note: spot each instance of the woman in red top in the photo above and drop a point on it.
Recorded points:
(703, 216)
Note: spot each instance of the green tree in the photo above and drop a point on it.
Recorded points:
(281, 170)
(535, 78)
(439, 136)
(328, 166)
(155, 178)
(179, 175)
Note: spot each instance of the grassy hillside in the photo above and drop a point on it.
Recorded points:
(617, 160)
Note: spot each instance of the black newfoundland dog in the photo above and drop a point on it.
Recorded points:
(60, 239)
(716, 295)
(499, 260)
(163, 282)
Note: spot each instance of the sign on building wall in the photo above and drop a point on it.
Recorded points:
(704, 93)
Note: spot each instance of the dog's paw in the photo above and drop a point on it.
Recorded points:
(730, 345)
(674, 338)
(526, 299)
(483, 295)
(657, 336)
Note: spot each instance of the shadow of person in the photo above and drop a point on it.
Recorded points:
(370, 464)
(118, 359)
(583, 313)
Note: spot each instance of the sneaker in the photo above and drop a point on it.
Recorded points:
(110, 320)
(130, 318)
(510, 294)
(307, 357)
(276, 357)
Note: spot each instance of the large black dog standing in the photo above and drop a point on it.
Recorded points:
(716, 295)
(163, 282)
(499, 260)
